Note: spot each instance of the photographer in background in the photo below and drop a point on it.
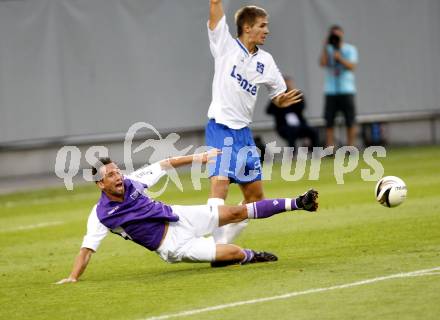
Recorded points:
(339, 60)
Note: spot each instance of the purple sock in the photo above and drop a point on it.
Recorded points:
(248, 256)
(267, 208)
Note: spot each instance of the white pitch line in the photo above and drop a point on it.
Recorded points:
(33, 226)
(424, 272)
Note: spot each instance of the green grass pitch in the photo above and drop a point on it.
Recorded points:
(351, 238)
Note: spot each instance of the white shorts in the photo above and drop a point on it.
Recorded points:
(185, 239)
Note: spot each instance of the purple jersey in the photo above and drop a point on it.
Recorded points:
(138, 217)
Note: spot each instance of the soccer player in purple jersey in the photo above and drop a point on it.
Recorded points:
(175, 233)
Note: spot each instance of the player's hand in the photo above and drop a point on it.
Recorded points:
(337, 55)
(67, 280)
(286, 99)
(208, 156)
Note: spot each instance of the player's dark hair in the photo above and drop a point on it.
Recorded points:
(248, 15)
(100, 163)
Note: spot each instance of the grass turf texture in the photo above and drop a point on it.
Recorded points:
(351, 238)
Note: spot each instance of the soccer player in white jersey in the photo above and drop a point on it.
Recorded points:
(241, 67)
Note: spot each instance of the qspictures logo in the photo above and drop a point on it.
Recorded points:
(293, 166)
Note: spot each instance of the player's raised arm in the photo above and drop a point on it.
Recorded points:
(80, 264)
(203, 157)
(215, 13)
(151, 174)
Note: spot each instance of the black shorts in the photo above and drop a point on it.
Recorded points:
(339, 103)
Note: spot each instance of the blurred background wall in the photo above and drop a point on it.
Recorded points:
(83, 71)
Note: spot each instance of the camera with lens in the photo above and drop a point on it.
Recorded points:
(335, 41)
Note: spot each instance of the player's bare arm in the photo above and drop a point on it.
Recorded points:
(215, 13)
(203, 157)
(80, 264)
(288, 98)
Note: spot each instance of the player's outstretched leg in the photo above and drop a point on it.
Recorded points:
(266, 208)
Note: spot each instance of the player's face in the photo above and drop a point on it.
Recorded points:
(112, 182)
(259, 31)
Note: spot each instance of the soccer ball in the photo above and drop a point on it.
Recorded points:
(390, 191)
